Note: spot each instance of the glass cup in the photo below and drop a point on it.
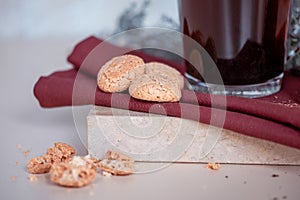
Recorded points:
(245, 39)
(293, 59)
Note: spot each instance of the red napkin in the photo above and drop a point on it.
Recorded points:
(275, 118)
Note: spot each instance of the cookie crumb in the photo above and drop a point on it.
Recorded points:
(213, 166)
(26, 152)
(32, 178)
(107, 174)
(14, 178)
(275, 175)
(17, 163)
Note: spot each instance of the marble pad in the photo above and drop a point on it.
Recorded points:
(157, 138)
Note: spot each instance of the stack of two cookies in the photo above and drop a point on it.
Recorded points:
(151, 81)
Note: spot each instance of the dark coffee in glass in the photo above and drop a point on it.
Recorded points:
(245, 38)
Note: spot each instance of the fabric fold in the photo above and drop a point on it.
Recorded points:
(275, 118)
(270, 107)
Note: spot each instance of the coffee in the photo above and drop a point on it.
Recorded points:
(246, 39)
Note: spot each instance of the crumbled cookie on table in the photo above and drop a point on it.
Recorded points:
(76, 172)
(39, 165)
(117, 74)
(85, 161)
(64, 167)
(116, 163)
(61, 152)
(114, 155)
(70, 175)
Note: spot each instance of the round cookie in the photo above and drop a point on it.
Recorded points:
(66, 174)
(117, 74)
(155, 87)
(165, 70)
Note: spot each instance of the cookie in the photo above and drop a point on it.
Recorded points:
(117, 163)
(155, 87)
(117, 167)
(114, 155)
(69, 175)
(117, 74)
(85, 161)
(61, 152)
(168, 72)
(39, 165)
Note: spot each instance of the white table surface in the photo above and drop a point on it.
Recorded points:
(24, 122)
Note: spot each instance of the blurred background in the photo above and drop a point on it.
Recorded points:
(28, 20)
(66, 22)
(36, 19)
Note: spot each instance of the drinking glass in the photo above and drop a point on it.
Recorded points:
(247, 40)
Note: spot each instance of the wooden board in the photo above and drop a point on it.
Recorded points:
(158, 138)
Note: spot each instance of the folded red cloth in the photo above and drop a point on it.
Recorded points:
(275, 118)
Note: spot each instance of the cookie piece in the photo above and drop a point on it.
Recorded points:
(114, 155)
(39, 165)
(69, 175)
(213, 166)
(117, 74)
(168, 72)
(117, 167)
(61, 152)
(155, 87)
(117, 163)
(85, 161)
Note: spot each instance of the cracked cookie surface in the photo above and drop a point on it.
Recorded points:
(117, 74)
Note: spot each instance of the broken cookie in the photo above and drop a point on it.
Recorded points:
(116, 163)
